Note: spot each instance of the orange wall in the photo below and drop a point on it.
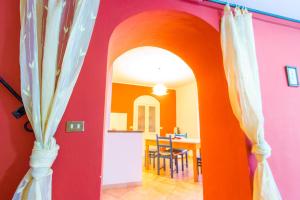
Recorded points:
(123, 96)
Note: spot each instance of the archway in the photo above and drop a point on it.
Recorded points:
(223, 144)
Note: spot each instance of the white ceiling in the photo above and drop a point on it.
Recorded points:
(148, 66)
(286, 8)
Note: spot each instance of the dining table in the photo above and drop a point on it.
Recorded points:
(192, 144)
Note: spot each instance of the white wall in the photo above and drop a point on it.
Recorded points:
(187, 112)
(123, 160)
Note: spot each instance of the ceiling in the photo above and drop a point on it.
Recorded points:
(148, 66)
(286, 8)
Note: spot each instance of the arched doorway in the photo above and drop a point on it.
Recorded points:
(223, 144)
(146, 115)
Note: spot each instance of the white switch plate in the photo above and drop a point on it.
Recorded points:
(75, 126)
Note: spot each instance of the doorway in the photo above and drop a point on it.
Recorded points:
(172, 111)
(146, 115)
(198, 44)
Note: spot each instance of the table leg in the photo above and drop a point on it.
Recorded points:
(195, 164)
(147, 155)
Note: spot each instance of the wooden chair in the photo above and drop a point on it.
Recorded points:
(165, 151)
(182, 152)
(152, 154)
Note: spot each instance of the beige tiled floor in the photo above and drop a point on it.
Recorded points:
(154, 187)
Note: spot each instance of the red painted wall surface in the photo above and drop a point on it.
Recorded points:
(277, 46)
(77, 169)
(15, 143)
(124, 95)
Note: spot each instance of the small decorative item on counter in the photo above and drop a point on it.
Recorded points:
(176, 130)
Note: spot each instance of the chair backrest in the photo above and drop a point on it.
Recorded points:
(182, 135)
(163, 142)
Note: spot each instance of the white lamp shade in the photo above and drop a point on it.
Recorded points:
(159, 90)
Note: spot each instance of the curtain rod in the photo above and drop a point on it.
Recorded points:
(256, 11)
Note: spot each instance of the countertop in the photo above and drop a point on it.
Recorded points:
(124, 131)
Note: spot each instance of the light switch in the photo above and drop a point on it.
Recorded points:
(75, 126)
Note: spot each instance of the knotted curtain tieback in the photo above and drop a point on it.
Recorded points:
(42, 158)
(261, 150)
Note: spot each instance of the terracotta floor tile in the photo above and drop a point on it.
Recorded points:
(154, 187)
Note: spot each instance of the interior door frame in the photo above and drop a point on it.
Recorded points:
(147, 101)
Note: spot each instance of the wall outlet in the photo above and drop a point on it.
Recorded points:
(75, 126)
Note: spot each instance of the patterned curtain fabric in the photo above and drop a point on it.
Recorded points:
(54, 38)
(241, 69)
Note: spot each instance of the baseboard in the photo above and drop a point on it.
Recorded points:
(121, 185)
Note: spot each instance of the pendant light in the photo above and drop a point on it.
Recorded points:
(159, 90)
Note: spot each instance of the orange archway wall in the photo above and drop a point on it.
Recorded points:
(223, 145)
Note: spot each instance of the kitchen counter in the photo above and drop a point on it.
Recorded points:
(124, 131)
(123, 160)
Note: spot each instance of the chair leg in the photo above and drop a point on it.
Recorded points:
(164, 164)
(201, 168)
(176, 161)
(172, 171)
(154, 161)
(186, 159)
(158, 165)
(182, 164)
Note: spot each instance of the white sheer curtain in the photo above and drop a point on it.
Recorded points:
(54, 38)
(241, 68)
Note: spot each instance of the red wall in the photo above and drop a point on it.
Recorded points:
(78, 167)
(15, 143)
(123, 96)
(277, 46)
